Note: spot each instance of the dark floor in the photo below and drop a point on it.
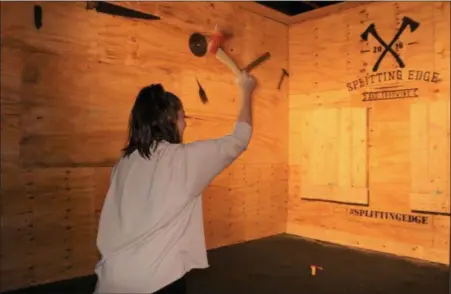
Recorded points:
(280, 265)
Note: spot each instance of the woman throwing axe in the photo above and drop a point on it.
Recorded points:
(151, 226)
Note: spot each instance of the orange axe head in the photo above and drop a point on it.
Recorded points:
(215, 42)
(214, 48)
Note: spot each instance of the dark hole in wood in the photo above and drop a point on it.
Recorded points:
(37, 16)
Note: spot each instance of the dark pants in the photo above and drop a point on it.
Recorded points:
(177, 287)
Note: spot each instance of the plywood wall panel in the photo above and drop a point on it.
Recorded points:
(389, 142)
(67, 90)
(430, 156)
(59, 151)
(256, 215)
(442, 47)
(10, 120)
(394, 135)
(334, 154)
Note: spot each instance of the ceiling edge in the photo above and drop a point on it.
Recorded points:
(265, 12)
(283, 18)
(326, 10)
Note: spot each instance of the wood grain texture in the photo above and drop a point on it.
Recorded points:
(408, 139)
(430, 148)
(334, 154)
(66, 93)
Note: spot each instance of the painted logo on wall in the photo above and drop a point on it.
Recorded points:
(377, 79)
(393, 216)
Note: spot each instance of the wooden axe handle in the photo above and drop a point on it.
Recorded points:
(224, 58)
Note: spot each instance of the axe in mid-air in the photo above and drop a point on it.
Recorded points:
(214, 48)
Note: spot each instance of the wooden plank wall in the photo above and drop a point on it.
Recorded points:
(372, 174)
(66, 92)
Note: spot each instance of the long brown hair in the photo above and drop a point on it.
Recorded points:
(153, 119)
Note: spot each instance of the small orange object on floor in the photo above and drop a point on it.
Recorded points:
(313, 269)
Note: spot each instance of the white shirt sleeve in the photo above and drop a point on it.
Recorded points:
(201, 161)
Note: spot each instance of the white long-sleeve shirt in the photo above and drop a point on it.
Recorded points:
(151, 226)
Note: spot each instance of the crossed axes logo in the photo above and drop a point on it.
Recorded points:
(406, 23)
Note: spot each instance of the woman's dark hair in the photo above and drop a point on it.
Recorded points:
(153, 119)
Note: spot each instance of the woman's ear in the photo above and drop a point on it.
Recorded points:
(172, 116)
